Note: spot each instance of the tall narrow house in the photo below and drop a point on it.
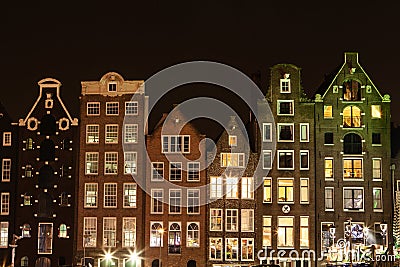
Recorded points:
(110, 206)
(8, 158)
(174, 225)
(231, 230)
(286, 202)
(354, 189)
(45, 206)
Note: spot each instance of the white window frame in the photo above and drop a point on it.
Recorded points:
(282, 83)
(177, 171)
(130, 162)
(232, 217)
(131, 196)
(279, 107)
(193, 171)
(227, 241)
(269, 188)
(267, 165)
(112, 85)
(153, 179)
(93, 161)
(279, 126)
(215, 215)
(307, 133)
(287, 244)
(188, 244)
(159, 237)
(92, 133)
(6, 170)
(307, 190)
(332, 189)
(5, 203)
(293, 159)
(91, 106)
(247, 215)
(216, 189)
(211, 247)
(192, 199)
(127, 108)
(333, 169)
(111, 231)
(293, 189)
(302, 152)
(176, 199)
(7, 141)
(110, 106)
(51, 238)
(131, 133)
(90, 228)
(380, 200)
(228, 160)
(362, 169)
(111, 195)
(95, 196)
(231, 187)
(267, 235)
(363, 199)
(111, 137)
(153, 201)
(304, 227)
(242, 249)
(327, 107)
(4, 230)
(179, 141)
(247, 186)
(267, 127)
(232, 140)
(374, 169)
(111, 161)
(128, 232)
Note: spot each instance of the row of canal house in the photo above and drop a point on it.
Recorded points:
(103, 187)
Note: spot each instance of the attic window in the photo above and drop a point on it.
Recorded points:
(351, 91)
(112, 86)
(285, 84)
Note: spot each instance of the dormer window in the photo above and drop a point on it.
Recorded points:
(285, 84)
(351, 91)
(112, 86)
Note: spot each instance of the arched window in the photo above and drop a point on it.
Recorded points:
(155, 263)
(191, 263)
(352, 144)
(351, 90)
(156, 234)
(351, 117)
(46, 174)
(62, 231)
(28, 171)
(174, 239)
(45, 204)
(24, 261)
(43, 262)
(29, 144)
(48, 125)
(193, 239)
(47, 150)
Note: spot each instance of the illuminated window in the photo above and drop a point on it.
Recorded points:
(285, 190)
(304, 191)
(215, 248)
(6, 170)
(285, 231)
(216, 187)
(131, 108)
(232, 187)
(3, 234)
(129, 232)
(92, 134)
(111, 163)
(328, 168)
(109, 231)
(62, 231)
(247, 220)
(90, 230)
(193, 235)
(90, 195)
(130, 193)
(215, 219)
(131, 133)
(45, 238)
(156, 234)
(247, 188)
(5, 204)
(231, 220)
(232, 140)
(304, 132)
(174, 238)
(157, 171)
(231, 249)
(351, 91)
(111, 134)
(247, 249)
(130, 164)
(304, 236)
(376, 111)
(232, 159)
(377, 169)
(328, 112)
(377, 197)
(92, 163)
(352, 168)
(157, 200)
(267, 231)
(351, 117)
(267, 190)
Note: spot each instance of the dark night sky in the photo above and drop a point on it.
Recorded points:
(82, 41)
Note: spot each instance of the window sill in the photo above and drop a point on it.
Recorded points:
(285, 203)
(330, 210)
(329, 144)
(376, 144)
